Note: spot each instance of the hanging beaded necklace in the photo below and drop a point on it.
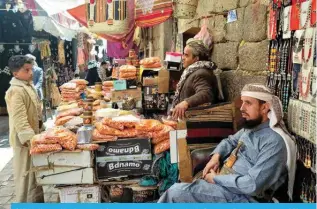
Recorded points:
(274, 5)
(304, 59)
(304, 80)
(308, 15)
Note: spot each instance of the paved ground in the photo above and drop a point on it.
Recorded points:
(6, 171)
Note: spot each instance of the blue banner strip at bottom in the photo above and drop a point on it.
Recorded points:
(162, 206)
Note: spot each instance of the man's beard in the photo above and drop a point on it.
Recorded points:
(250, 124)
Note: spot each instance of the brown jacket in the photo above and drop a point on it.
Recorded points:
(199, 88)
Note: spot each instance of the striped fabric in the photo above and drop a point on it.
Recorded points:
(160, 11)
(103, 11)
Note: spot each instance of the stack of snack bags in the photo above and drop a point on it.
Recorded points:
(57, 139)
(127, 72)
(129, 127)
(67, 112)
(122, 126)
(107, 87)
(71, 91)
(152, 62)
(81, 84)
(157, 131)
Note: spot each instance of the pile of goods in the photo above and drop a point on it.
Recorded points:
(129, 127)
(158, 132)
(91, 92)
(68, 115)
(57, 139)
(96, 105)
(72, 90)
(152, 62)
(127, 72)
(107, 88)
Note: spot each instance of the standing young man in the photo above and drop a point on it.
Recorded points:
(25, 118)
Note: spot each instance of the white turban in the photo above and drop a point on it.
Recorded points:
(261, 92)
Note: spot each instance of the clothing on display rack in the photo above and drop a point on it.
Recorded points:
(16, 27)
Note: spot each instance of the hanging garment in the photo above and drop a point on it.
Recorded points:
(54, 47)
(16, 27)
(61, 52)
(45, 49)
(68, 48)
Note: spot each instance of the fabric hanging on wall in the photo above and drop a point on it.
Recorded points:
(152, 12)
(116, 49)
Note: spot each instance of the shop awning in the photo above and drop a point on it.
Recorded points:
(152, 12)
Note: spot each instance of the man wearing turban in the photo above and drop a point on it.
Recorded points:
(263, 163)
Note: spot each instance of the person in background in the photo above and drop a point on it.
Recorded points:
(198, 84)
(104, 71)
(92, 74)
(258, 159)
(25, 120)
(37, 76)
(82, 72)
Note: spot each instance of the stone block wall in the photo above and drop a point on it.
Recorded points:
(238, 45)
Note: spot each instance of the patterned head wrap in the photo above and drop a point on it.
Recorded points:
(261, 92)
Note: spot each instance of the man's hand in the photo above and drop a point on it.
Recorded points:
(210, 177)
(212, 165)
(179, 110)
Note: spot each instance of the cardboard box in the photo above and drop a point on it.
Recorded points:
(65, 175)
(80, 194)
(144, 194)
(120, 95)
(125, 157)
(65, 158)
(163, 81)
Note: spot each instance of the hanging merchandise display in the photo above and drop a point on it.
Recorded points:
(299, 38)
(286, 22)
(295, 15)
(313, 17)
(108, 16)
(80, 14)
(305, 12)
(307, 66)
(185, 9)
(273, 17)
(149, 13)
(61, 52)
(292, 77)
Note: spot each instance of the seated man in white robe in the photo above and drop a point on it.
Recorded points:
(264, 161)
